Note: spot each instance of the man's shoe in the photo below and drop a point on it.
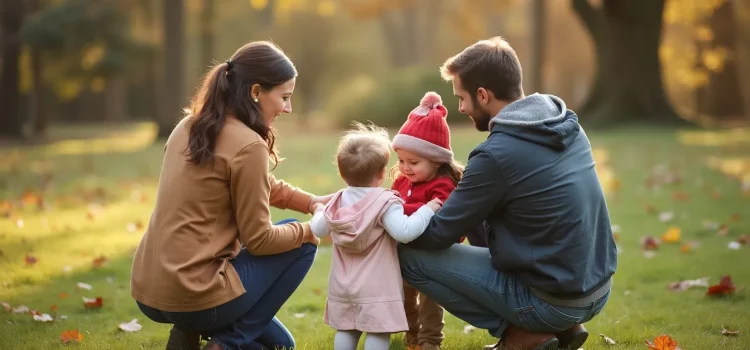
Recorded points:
(573, 338)
(181, 340)
(516, 338)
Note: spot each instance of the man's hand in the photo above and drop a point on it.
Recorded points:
(435, 204)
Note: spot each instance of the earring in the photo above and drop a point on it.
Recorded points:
(255, 100)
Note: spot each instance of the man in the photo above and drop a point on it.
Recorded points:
(551, 254)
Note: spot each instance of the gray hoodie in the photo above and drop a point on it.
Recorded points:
(533, 180)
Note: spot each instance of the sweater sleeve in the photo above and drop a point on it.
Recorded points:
(286, 196)
(319, 224)
(405, 228)
(441, 188)
(251, 187)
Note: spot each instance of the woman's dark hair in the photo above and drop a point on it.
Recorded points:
(225, 89)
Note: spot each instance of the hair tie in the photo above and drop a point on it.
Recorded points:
(229, 66)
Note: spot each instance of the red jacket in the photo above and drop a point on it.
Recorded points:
(417, 195)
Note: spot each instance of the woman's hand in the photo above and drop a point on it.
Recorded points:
(311, 238)
(323, 200)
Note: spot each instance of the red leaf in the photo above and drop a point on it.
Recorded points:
(93, 303)
(98, 262)
(725, 286)
(30, 260)
(663, 342)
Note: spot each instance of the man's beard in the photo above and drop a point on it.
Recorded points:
(481, 119)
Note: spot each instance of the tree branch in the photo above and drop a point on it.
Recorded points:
(588, 15)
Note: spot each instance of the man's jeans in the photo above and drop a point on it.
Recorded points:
(463, 281)
(249, 322)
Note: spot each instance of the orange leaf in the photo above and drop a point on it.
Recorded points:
(735, 217)
(63, 295)
(725, 286)
(317, 291)
(663, 342)
(681, 196)
(98, 262)
(744, 239)
(54, 307)
(93, 303)
(685, 248)
(30, 260)
(649, 243)
(71, 336)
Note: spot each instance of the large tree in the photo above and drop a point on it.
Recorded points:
(174, 63)
(11, 20)
(628, 83)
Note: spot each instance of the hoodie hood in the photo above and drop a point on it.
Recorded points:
(539, 118)
(351, 227)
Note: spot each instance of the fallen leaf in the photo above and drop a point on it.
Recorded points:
(725, 286)
(6, 306)
(63, 295)
(81, 285)
(735, 217)
(681, 196)
(685, 248)
(734, 245)
(67, 268)
(616, 236)
(727, 332)
(607, 340)
(21, 309)
(71, 336)
(743, 239)
(91, 303)
(469, 328)
(299, 315)
(131, 326)
(650, 209)
(317, 291)
(663, 342)
(53, 308)
(687, 284)
(666, 216)
(672, 235)
(710, 225)
(723, 230)
(649, 243)
(30, 260)
(43, 318)
(100, 261)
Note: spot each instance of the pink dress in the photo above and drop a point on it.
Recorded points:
(365, 289)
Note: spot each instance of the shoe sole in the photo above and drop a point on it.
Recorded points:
(575, 342)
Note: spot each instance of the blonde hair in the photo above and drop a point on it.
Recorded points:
(363, 153)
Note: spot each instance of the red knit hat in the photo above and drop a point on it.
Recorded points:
(426, 131)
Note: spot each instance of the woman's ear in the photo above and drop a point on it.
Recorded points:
(254, 92)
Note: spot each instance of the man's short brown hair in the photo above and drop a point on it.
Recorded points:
(363, 154)
(491, 64)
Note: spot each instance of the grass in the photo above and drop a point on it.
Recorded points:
(96, 195)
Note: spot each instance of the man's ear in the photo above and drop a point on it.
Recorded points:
(483, 96)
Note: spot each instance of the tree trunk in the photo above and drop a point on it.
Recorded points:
(721, 97)
(11, 20)
(628, 83)
(115, 98)
(37, 95)
(208, 32)
(538, 39)
(742, 22)
(174, 62)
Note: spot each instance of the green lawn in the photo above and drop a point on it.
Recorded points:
(98, 194)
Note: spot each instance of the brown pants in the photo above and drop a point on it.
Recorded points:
(425, 318)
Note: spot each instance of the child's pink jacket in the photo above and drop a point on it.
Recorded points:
(365, 289)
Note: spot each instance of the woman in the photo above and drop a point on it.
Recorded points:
(211, 262)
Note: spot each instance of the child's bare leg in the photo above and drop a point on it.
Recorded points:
(346, 340)
(377, 341)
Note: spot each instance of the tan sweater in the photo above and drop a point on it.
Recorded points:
(201, 216)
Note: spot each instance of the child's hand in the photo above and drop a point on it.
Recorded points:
(435, 204)
(317, 207)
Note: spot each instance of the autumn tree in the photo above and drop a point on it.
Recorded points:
(174, 67)
(628, 81)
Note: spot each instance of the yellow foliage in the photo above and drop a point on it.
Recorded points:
(714, 59)
(703, 33)
(672, 235)
(69, 89)
(25, 83)
(326, 8)
(259, 4)
(689, 12)
(92, 55)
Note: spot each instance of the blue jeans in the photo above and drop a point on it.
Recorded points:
(463, 281)
(249, 321)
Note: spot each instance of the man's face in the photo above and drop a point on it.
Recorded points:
(471, 107)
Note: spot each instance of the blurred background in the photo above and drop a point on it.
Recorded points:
(660, 61)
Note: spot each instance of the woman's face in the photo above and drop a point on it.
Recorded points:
(276, 101)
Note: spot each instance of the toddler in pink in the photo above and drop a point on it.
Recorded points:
(365, 222)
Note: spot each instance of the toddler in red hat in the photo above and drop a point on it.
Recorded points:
(426, 170)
